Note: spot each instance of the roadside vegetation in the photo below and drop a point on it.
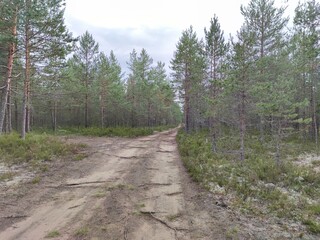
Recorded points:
(36, 148)
(108, 131)
(258, 185)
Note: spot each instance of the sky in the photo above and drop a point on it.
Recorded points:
(124, 25)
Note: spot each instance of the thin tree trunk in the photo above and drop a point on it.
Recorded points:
(242, 126)
(16, 113)
(6, 90)
(9, 112)
(86, 111)
(26, 79)
(28, 106)
(314, 113)
(278, 143)
(54, 116)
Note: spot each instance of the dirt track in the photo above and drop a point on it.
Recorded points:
(125, 189)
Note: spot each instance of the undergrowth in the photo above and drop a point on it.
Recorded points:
(34, 149)
(258, 185)
(109, 131)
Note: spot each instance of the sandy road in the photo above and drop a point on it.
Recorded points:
(125, 189)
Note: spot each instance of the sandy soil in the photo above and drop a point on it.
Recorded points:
(125, 189)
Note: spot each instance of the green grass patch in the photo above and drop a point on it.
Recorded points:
(82, 232)
(53, 234)
(36, 180)
(312, 225)
(6, 176)
(258, 185)
(35, 148)
(110, 131)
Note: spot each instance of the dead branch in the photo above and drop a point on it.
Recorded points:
(131, 157)
(152, 168)
(164, 151)
(74, 206)
(174, 193)
(155, 184)
(78, 184)
(84, 183)
(16, 216)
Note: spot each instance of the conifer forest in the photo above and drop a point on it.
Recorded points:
(247, 105)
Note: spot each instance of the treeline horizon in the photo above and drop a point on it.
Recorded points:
(262, 80)
(50, 79)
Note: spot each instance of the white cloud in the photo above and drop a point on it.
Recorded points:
(122, 25)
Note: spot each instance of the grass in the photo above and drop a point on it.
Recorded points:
(6, 176)
(120, 186)
(99, 194)
(36, 148)
(258, 185)
(36, 180)
(82, 232)
(173, 217)
(53, 234)
(110, 131)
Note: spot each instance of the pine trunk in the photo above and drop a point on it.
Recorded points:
(242, 126)
(9, 112)
(7, 86)
(86, 111)
(54, 116)
(25, 97)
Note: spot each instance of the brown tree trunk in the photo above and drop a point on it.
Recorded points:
(54, 116)
(102, 104)
(9, 112)
(278, 142)
(242, 122)
(25, 97)
(86, 111)
(314, 112)
(7, 86)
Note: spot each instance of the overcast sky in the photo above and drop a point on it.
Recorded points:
(124, 25)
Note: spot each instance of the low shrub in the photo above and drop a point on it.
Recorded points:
(111, 131)
(35, 148)
(285, 190)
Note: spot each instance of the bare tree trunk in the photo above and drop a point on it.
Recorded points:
(9, 112)
(278, 142)
(16, 112)
(86, 111)
(102, 103)
(7, 87)
(102, 116)
(24, 118)
(314, 113)
(28, 106)
(149, 113)
(242, 122)
(54, 116)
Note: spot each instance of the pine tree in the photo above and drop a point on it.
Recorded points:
(85, 58)
(240, 80)
(267, 23)
(139, 86)
(8, 28)
(216, 50)
(188, 65)
(42, 35)
(306, 52)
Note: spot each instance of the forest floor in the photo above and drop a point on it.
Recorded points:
(123, 189)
